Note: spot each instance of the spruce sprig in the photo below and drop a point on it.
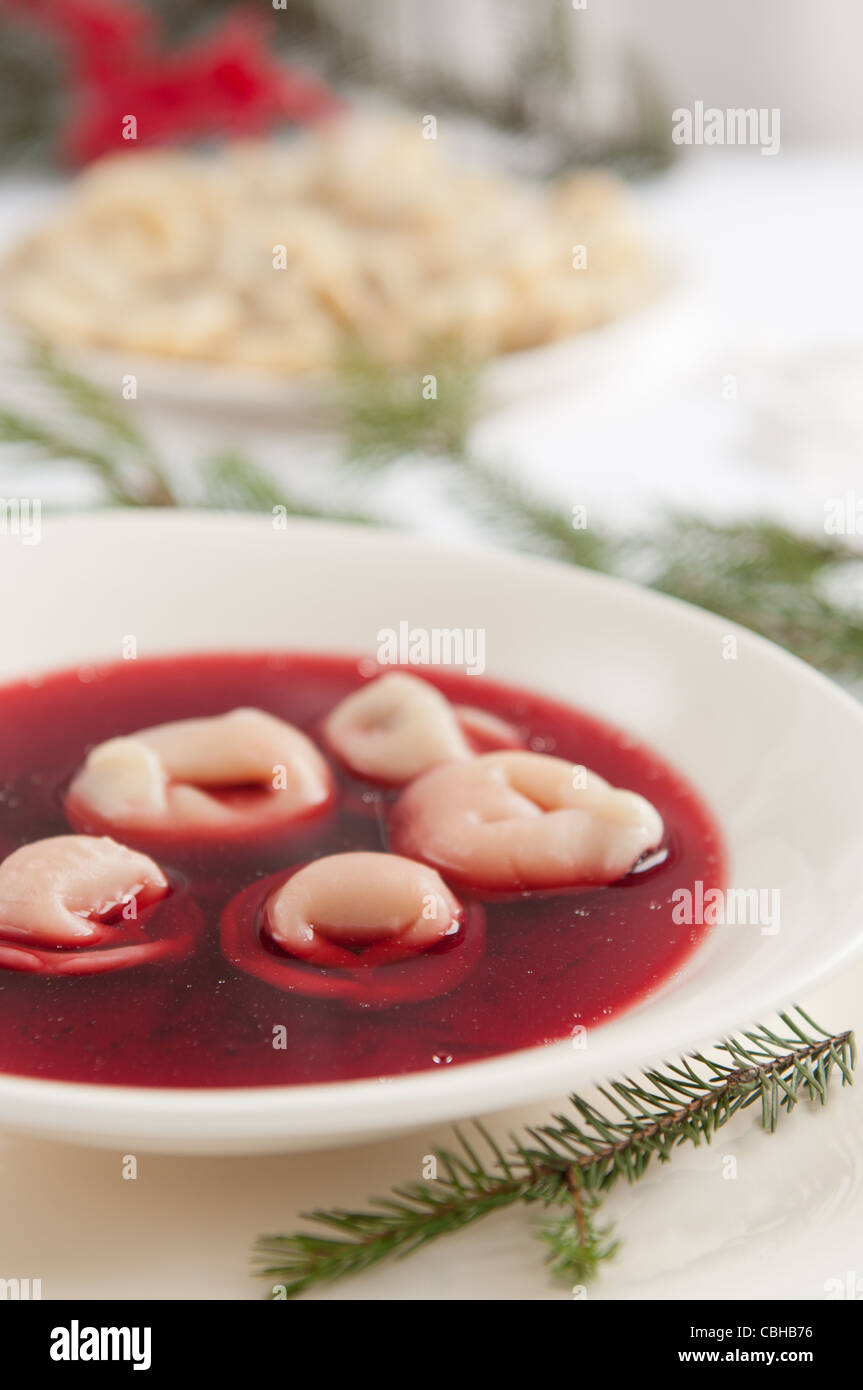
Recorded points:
(111, 447)
(797, 590)
(387, 415)
(119, 454)
(571, 1163)
(788, 586)
(233, 482)
(785, 585)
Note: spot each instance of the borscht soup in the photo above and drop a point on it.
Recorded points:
(278, 869)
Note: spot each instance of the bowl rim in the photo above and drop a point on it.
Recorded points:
(212, 1117)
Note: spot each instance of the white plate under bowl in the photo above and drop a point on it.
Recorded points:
(775, 749)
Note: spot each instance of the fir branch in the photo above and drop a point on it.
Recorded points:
(763, 576)
(90, 401)
(231, 480)
(504, 505)
(789, 587)
(576, 1245)
(758, 573)
(572, 1162)
(125, 464)
(387, 415)
(51, 445)
(120, 455)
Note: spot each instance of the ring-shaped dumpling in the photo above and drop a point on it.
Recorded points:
(395, 728)
(236, 776)
(367, 928)
(81, 905)
(515, 821)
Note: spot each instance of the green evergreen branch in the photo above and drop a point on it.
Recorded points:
(571, 1163)
(787, 586)
(230, 480)
(49, 444)
(760, 575)
(90, 401)
(120, 457)
(123, 461)
(387, 415)
(777, 582)
(517, 515)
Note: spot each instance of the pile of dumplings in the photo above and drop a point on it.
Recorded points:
(362, 236)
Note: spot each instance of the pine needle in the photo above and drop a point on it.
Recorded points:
(571, 1163)
(387, 415)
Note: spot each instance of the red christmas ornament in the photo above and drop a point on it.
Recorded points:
(126, 91)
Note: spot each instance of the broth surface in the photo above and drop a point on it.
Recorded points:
(552, 961)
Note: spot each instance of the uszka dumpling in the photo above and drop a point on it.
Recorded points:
(78, 904)
(380, 906)
(398, 726)
(228, 777)
(371, 928)
(513, 821)
(394, 728)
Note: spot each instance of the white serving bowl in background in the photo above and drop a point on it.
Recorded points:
(775, 749)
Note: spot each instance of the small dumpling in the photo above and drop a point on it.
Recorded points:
(86, 905)
(395, 728)
(228, 776)
(60, 891)
(514, 821)
(366, 928)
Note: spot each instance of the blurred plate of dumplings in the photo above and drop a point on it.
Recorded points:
(256, 272)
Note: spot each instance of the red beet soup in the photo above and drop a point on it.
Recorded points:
(550, 961)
